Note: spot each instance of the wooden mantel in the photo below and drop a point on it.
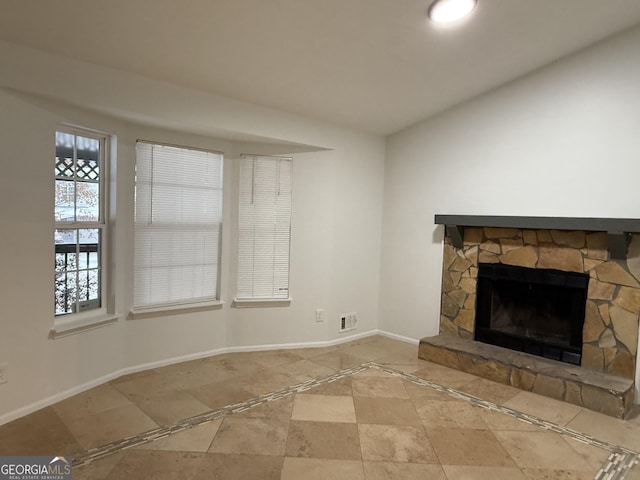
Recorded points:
(618, 230)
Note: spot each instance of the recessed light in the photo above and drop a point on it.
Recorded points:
(447, 11)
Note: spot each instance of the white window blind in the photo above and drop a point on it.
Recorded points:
(178, 223)
(264, 227)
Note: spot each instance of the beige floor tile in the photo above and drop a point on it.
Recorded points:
(215, 466)
(321, 469)
(240, 363)
(156, 465)
(219, 394)
(358, 341)
(323, 440)
(250, 436)
(541, 450)
(40, 433)
(397, 346)
(203, 373)
(618, 432)
(545, 408)
(323, 408)
(372, 372)
(368, 351)
(391, 344)
(275, 410)
(265, 381)
(170, 408)
(196, 439)
(545, 474)
(399, 355)
(447, 377)
(314, 351)
(216, 369)
(457, 446)
(183, 377)
(502, 421)
(395, 443)
(421, 393)
(98, 469)
(108, 426)
(341, 387)
(460, 472)
(450, 414)
(407, 367)
(337, 360)
(634, 474)
(491, 391)
(304, 370)
(274, 358)
(151, 385)
(96, 400)
(380, 387)
(404, 471)
(385, 411)
(591, 455)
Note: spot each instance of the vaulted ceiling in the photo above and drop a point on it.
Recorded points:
(375, 65)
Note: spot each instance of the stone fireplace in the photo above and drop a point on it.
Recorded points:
(608, 336)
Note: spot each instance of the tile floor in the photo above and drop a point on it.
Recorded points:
(235, 416)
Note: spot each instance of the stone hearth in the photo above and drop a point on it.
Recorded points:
(601, 392)
(610, 334)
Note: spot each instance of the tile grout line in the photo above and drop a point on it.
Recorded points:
(617, 466)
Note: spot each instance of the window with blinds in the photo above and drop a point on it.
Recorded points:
(178, 224)
(264, 228)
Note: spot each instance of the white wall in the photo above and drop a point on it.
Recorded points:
(563, 141)
(335, 248)
(336, 225)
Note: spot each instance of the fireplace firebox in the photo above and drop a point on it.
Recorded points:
(537, 311)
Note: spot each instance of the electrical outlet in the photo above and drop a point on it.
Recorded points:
(3, 373)
(320, 315)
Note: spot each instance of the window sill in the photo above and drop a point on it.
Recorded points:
(157, 310)
(71, 326)
(261, 302)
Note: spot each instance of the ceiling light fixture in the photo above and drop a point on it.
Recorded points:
(448, 11)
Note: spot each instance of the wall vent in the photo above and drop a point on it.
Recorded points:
(348, 321)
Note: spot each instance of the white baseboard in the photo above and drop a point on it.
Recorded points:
(401, 338)
(290, 346)
(46, 402)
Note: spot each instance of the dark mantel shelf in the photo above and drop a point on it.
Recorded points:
(618, 229)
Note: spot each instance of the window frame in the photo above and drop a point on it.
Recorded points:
(191, 304)
(259, 302)
(72, 322)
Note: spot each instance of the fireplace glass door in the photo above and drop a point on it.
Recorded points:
(538, 311)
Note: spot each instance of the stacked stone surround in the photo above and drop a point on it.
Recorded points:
(605, 380)
(610, 334)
